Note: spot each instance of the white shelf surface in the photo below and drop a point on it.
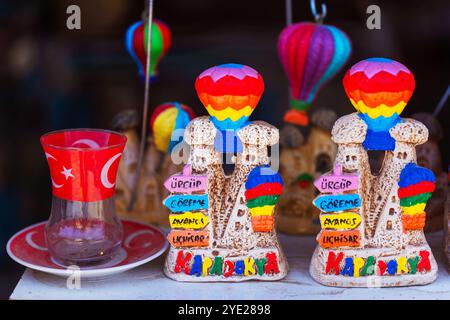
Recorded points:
(148, 282)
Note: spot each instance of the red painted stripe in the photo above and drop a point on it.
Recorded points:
(138, 45)
(265, 189)
(298, 49)
(229, 85)
(382, 81)
(415, 189)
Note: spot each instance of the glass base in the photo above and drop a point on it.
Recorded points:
(69, 253)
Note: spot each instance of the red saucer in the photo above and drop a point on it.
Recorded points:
(141, 243)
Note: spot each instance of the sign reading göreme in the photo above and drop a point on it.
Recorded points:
(372, 225)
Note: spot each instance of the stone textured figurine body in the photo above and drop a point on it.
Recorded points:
(223, 226)
(372, 223)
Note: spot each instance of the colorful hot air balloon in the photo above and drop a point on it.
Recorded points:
(137, 44)
(311, 54)
(165, 119)
(230, 93)
(263, 188)
(415, 187)
(379, 89)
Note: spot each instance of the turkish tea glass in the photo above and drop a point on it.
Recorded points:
(83, 228)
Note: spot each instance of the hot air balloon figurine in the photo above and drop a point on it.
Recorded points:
(372, 224)
(379, 89)
(415, 187)
(311, 54)
(166, 123)
(223, 225)
(136, 43)
(230, 93)
(264, 187)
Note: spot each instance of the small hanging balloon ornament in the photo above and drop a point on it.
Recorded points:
(167, 118)
(415, 187)
(263, 188)
(136, 42)
(379, 89)
(311, 54)
(230, 93)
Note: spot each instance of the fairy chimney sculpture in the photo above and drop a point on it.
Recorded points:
(372, 223)
(223, 225)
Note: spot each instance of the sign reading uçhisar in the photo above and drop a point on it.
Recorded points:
(337, 182)
(186, 182)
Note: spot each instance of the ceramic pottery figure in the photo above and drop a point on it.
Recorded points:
(300, 163)
(166, 119)
(372, 224)
(223, 226)
(311, 54)
(136, 41)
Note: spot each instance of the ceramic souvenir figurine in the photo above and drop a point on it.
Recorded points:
(136, 41)
(158, 165)
(429, 156)
(372, 223)
(311, 55)
(223, 225)
(300, 163)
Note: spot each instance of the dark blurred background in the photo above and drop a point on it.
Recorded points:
(53, 78)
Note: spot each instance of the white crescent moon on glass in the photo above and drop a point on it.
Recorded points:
(54, 184)
(105, 170)
(90, 143)
(31, 243)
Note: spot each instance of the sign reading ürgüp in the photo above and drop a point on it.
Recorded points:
(337, 181)
(186, 182)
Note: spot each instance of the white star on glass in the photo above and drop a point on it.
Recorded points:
(67, 173)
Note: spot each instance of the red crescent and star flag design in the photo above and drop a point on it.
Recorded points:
(83, 163)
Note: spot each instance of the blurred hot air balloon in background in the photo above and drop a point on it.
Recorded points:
(166, 118)
(230, 93)
(136, 43)
(379, 89)
(263, 188)
(311, 54)
(416, 185)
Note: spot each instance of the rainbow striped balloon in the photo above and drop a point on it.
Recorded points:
(415, 187)
(263, 188)
(379, 89)
(166, 118)
(137, 43)
(311, 54)
(230, 93)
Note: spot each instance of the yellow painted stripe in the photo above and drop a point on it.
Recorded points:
(418, 208)
(229, 113)
(262, 211)
(163, 127)
(381, 110)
